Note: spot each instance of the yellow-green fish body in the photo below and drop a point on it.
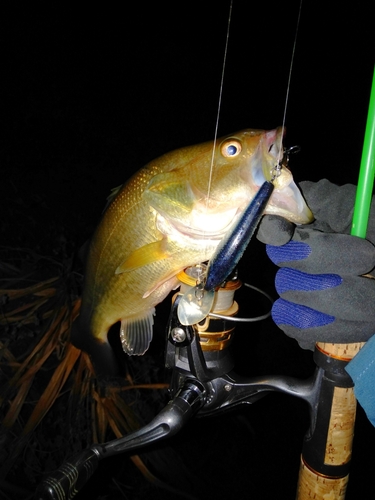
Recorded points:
(170, 215)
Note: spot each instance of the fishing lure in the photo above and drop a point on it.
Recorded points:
(232, 247)
(197, 302)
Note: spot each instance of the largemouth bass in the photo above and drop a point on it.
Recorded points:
(172, 214)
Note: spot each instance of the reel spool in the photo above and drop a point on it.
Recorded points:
(215, 333)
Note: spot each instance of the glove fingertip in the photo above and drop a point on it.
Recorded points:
(293, 250)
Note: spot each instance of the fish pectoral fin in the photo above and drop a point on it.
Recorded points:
(136, 333)
(144, 255)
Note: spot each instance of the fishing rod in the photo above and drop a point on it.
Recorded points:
(327, 449)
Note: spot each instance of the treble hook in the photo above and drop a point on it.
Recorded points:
(289, 151)
(276, 171)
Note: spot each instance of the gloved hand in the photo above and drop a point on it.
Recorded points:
(323, 295)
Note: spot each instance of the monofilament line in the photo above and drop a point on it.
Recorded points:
(281, 152)
(219, 107)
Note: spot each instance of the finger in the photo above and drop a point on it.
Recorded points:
(289, 313)
(347, 298)
(331, 205)
(308, 326)
(325, 252)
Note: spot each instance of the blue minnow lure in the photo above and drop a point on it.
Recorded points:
(232, 247)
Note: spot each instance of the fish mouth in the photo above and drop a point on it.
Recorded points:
(286, 200)
(273, 144)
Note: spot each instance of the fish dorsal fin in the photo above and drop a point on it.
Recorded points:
(114, 192)
(136, 333)
(143, 256)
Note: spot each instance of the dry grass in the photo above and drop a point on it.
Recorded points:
(51, 402)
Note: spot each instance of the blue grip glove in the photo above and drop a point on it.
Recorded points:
(323, 296)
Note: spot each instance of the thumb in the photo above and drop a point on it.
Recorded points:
(275, 230)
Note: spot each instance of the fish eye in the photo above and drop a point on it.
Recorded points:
(231, 148)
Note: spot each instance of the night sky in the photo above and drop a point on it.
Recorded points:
(90, 96)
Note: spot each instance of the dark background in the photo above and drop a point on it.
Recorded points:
(91, 95)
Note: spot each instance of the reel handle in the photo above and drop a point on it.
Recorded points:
(65, 482)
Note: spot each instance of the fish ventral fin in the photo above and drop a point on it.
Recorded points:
(136, 333)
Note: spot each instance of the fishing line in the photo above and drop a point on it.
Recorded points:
(281, 151)
(199, 293)
(219, 106)
(198, 300)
